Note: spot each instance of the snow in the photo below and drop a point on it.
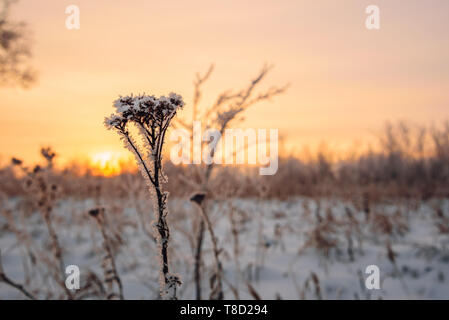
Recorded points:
(273, 256)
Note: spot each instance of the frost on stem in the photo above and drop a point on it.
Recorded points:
(152, 116)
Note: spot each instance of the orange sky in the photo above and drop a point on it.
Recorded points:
(346, 81)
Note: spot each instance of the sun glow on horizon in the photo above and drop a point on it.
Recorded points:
(107, 163)
(346, 81)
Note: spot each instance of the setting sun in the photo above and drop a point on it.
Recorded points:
(107, 163)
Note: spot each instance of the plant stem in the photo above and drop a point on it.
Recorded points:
(217, 290)
(199, 248)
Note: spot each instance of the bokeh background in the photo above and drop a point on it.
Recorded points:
(346, 81)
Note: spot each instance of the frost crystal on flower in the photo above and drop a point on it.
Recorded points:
(113, 121)
(143, 109)
(152, 116)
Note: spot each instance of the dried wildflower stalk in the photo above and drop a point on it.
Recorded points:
(216, 279)
(110, 271)
(227, 109)
(44, 194)
(152, 117)
(22, 235)
(236, 246)
(92, 287)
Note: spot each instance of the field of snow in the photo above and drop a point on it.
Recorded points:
(297, 249)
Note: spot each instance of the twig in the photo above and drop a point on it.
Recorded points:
(4, 278)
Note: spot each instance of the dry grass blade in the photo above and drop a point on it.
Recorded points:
(253, 291)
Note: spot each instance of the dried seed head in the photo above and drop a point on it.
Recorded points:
(16, 162)
(198, 198)
(96, 212)
(143, 109)
(114, 121)
(48, 154)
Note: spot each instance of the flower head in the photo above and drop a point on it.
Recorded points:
(113, 121)
(143, 109)
(16, 162)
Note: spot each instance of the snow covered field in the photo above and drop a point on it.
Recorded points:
(298, 249)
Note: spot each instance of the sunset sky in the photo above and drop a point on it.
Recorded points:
(346, 81)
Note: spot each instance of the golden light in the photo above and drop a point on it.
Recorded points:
(107, 163)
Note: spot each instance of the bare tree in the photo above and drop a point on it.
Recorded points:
(15, 51)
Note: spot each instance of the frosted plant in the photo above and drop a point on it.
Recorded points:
(152, 117)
